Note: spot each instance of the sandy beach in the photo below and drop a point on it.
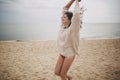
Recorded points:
(35, 60)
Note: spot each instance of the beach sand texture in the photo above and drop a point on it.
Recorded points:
(35, 60)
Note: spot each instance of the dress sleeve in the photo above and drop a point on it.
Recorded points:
(75, 22)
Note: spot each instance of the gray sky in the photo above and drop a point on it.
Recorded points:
(36, 11)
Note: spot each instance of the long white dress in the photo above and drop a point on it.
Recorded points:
(68, 39)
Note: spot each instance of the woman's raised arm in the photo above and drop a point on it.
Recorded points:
(75, 22)
(67, 6)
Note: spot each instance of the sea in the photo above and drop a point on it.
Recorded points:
(43, 32)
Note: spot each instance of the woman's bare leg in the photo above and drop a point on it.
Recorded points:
(69, 77)
(59, 65)
(65, 67)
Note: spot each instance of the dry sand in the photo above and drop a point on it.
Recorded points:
(35, 60)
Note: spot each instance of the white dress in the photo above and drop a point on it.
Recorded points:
(68, 39)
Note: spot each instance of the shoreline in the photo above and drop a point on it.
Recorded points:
(55, 40)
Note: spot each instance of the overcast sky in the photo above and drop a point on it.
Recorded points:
(42, 11)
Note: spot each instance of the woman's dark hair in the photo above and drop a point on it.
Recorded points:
(69, 15)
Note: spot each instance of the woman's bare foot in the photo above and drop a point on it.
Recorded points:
(69, 77)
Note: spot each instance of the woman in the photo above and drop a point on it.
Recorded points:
(68, 40)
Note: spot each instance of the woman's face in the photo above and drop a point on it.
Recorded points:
(65, 19)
